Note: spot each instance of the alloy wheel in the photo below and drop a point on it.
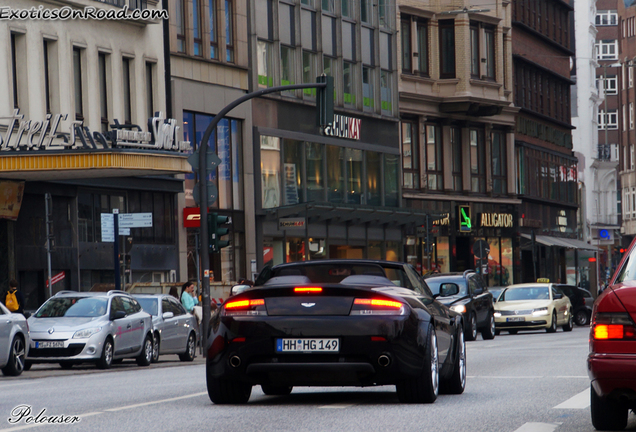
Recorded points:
(434, 364)
(19, 353)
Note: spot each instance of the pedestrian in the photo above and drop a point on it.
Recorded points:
(190, 301)
(13, 298)
(174, 292)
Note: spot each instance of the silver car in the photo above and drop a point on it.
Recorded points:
(81, 327)
(175, 330)
(14, 341)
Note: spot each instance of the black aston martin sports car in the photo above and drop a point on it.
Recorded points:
(336, 323)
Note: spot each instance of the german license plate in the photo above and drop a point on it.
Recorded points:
(308, 345)
(515, 319)
(50, 344)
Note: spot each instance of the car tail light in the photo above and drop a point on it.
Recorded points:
(308, 290)
(245, 307)
(613, 326)
(377, 306)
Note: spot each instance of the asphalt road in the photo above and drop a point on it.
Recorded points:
(529, 382)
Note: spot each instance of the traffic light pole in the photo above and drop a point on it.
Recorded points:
(203, 196)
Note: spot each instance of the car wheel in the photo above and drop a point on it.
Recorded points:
(457, 382)
(106, 359)
(570, 324)
(17, 353)
(553, 324)
(223, 391)
(145, 357)
(274, 390)
(190, 351)
(607, 414)
(489, 332)
(581, 318)
(471, 330)
(66, 365)
(425, 388)
(155, 349)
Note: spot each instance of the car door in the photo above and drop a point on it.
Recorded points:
(5, 334)
(121, 327)
(136, 324)
(183, 330)
(168, 328)
(480, 298)
(560, 304)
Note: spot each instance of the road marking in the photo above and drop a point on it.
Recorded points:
(538, 427)
(94, 413)
(337, 406)
(580, 401)
(574, 376)
(504, 377)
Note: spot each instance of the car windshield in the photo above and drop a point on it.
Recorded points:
(435, 283)
(81, 307)
(526, 293)
(149, 305)
(331, 273)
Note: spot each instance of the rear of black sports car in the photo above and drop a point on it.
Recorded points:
(323, 335)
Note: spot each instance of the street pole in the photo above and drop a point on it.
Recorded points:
(48, 204)
(203, 195)
(116, 249)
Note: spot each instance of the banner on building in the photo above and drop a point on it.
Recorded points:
(11, 194)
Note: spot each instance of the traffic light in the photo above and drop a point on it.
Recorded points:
(324, 101)
(216, 231)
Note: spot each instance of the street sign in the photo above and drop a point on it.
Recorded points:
(213, 193)
(55, 279)
(481, 249)
(465, 222)
(135, 220)
(212, 158)
(108, 228)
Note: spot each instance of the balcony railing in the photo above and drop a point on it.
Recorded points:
(607, 153)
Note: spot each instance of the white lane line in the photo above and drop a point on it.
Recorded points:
(337, 406)
(94, 413)
(504, 377)
(538, 427)
(580, 401)
(574, 376)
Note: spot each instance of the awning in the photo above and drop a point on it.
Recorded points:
(560, 242)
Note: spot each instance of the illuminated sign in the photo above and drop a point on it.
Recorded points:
(291, 223)
(465, 223)
(344, 127)
(444, 221)
(497, 220)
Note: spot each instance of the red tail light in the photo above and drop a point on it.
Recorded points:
(377, 306)
(306, 290)
(613, 326)
(245, 307)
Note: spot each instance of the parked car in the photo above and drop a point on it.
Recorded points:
(474, 301)
(582, 301)
(14, 342)
(336, 323)
(175, 330)
(99, 327)
(611, 362)
(533, 306)
(496, 292)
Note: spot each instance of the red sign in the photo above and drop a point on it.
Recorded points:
(268, 254)
(191, 217)
(55, 279)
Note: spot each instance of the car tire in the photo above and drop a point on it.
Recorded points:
(27, 365)
(106, 359)
(66, 365)
(17, 354)
(155, 348)
(489, 332)
(553, 324)
(145, 356)
(581, 318)
(497, 332)
(425, 388)
(190, 351)
(274, 390)
(607, 415)
(570, 324)
(471, 327)
(223, 391)
(457, 381)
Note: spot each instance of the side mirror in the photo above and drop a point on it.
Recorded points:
(237, 289)
(448, 289)
(117, 315)
(167, 315)
(478, 291)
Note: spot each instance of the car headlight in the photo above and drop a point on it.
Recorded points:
(459, 308)
(540, 311)
(496, 314)
(86, 333)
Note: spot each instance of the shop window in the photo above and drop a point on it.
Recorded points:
(392, 251)
(295, 250)
(264, 60)
(391, 180)
(335, 174)
(499, 163)
(273, 252)
(315, 172)
(353, 161)
(374, 176)
(456, 153)
(442, 254)
(294, 179)
(374, 251)
(270, 171)
(317, 249)
(410, 156)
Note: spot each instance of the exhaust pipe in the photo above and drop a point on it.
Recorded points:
(235, 361)
(384, 360)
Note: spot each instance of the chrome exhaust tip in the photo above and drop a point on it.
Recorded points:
(235, 361)
(384, 360)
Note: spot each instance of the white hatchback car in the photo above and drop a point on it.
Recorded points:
(14, 341)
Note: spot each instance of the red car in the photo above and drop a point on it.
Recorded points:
(611, 363)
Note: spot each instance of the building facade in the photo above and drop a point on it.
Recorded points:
(82, 120)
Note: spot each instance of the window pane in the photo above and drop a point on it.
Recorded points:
(315, 173)
(335, 174)
(225, 167)
(264, 58)
(196, 27)
(385, 90)
(348, 75)
(391, 180)
(309, 73)
(270, 171)
(405, 30)
(236, 160)
(353, 159)
(287, 67)
(490, 54)
(374, 175)
(422, 48)
(77, 78)
(474, 51)
(365, 11)
(213, 30)
(229, 31)
(367, 88)
(447, 49)
(294, 183)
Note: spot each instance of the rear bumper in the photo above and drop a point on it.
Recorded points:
(613, 375)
